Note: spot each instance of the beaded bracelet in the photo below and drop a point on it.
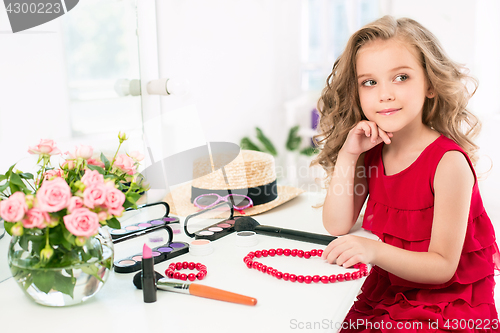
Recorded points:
(362, 268)
(170, 271)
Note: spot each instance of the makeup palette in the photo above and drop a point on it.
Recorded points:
(159, 254)
(216, 231)
(142, 227)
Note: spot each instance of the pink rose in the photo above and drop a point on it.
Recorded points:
(68, 165)
(45, 147)
(92, 161)
(92, 177)
(36, 218)
(74, 203)
(53, 195)
(54, 173)
(14, 208)
(114, 201)
(82, 222)
(125, 163)
(94, 195)
(84, 152)
(136, 155)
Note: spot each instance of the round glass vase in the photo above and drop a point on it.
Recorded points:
(75, 278)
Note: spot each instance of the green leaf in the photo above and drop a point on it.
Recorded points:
(92, 270)
(64, 284)
(26, 175)
(43, 279)
(105, 161)
(294, 140)
(4, 186)
(96, 167)
(309, 151)
(268, 146)
(16, 179)
(114, 223)
(8, 226)
(247, 144)
(3, 177)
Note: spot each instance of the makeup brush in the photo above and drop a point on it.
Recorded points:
(249, 224)
(196, 290)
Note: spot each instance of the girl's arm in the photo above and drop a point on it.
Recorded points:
(348, 186)
(346, 194)
(453, 185)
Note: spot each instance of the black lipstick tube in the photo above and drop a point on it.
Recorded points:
(148, 280)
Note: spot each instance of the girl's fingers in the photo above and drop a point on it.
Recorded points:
(384, 136)
(374, 131)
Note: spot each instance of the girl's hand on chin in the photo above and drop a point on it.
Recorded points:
(364, 136)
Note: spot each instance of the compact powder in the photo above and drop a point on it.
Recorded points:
(224, 225)
(246, 238)
(201, 247)
(126, 262)
(215, 229)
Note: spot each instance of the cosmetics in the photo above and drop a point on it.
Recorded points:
(249, 224)
(134, 230)
(216, 231)
(159, 254)
(199, 290)
(246, 238)
(201, 247)
(148, 276)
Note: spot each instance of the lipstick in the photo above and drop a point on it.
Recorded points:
(148, 276)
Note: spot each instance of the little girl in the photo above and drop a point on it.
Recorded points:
(395, 127)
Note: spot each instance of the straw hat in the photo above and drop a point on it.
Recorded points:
(251, 173)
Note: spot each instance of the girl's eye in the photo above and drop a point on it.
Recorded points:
(401, 78)
(369, 83)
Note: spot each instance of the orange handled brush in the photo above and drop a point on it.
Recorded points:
(198, 290)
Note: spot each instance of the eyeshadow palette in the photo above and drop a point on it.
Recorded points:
(160, 253)
(142, 227)
(216, 231)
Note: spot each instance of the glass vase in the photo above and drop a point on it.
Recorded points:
(73, 277)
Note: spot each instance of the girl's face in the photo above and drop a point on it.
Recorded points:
(392, 84)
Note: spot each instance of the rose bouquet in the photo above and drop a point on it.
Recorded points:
(56, 213)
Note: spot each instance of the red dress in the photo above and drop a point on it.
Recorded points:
(400, 212)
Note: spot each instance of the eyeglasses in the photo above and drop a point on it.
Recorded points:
(239, 201)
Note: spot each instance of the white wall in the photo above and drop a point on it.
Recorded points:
(242, 59)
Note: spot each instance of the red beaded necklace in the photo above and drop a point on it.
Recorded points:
(170, 271)
(362, 268)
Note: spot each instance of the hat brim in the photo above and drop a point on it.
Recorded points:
(180, 204)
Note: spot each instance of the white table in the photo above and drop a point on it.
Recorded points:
(282, 306)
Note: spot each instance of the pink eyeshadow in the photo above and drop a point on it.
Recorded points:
(132, 227)
(205, 233)
(156, 253)
(126, 262)
(144, 225)
(224, 225)
(137, 258)
(215, 229)
(230, 221)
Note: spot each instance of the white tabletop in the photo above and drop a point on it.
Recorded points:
(282, 306)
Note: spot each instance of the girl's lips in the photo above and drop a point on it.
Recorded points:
(388, 112)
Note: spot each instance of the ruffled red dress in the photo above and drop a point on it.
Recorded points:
(400, 212)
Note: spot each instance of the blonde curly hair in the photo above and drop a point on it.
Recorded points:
(339, 104)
